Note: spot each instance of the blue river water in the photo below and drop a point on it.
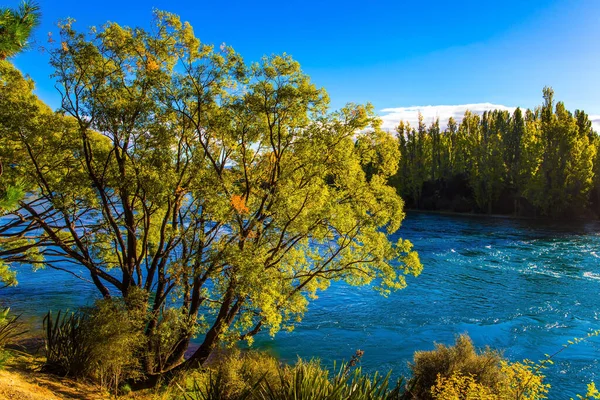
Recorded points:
(524, 287)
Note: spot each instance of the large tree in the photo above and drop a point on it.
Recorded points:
(224, 196)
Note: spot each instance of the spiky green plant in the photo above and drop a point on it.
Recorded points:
(9, 329)
(68, 349)
(214, 388)
(307, 380)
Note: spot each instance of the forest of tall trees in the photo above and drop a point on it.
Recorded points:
(542, 162)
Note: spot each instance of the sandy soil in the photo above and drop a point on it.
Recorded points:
(30, 385)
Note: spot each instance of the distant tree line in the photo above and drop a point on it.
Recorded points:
(541, 162)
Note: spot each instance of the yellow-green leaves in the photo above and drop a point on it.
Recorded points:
(592, 393)
(229, 191)
(8, 277)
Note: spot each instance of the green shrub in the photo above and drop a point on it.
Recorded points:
(459, 386)
(308, 380)
(234, 374)
(445, 361)
(304, 380)
(461, 372)
(215, 386)
(522, 381)
(117, 342)
(165, 338)
(254, 375)
(10, 328)
(242, 370)
(104, 343)
(591, 394)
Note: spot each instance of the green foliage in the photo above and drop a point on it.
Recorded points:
(226, 189)
(543, 161)
(104, 343)
(487, 170)
(591, 394)
(67, 345)
(173, 325)
(16, 27)
(7, 276)
(10, 328)
(462, 358)
(522, 380)
(212, 388)
(461, 372)
(10, 198)
(234, 375)
(115, 332)
(255, 376)
(519, 381)
(458, 387)
(310, 380)
(20, 111)
(565, 172)
(241, 371)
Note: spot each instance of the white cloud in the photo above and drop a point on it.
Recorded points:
(392, 116)
(595, 122)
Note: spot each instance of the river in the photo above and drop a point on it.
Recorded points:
(524, 287)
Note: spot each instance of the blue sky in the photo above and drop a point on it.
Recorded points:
(394, 54)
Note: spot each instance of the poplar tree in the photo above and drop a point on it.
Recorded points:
(564, 176)
(436, 149)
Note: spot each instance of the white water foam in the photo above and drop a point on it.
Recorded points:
(592, 275)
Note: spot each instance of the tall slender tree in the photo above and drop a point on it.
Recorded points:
(565, 173)
(436, 149)
(512, 141)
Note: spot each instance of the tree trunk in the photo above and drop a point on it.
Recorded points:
(179, 351)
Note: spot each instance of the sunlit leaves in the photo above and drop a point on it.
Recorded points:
(228, 191)
(16, 26)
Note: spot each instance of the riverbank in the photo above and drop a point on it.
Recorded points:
(244, 375)
(20, 379)
(31, 385)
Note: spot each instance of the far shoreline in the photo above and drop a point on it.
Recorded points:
(501, 216)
